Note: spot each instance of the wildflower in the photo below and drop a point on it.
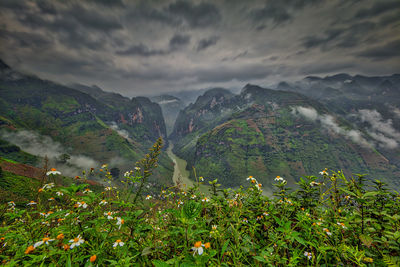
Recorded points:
(77, 177)
(207, 245)
(40, 190)
(104, 166)
(108, 214)
(31, 203)
(214, 227)
(245, 220)
(48, 186)
(51, 199)
(87, 190)
(58, 193)
(197, 248)
(137, 168)
(93, 258)
(265, 213)
(45, 240)
(52, 172)
(108, 188)
(308, 255)
(180, 203)
(259, 186)
(60, 220)
(148, 197)
(29, 249)
(103, 202)
(347, 197)
(327, 231)
(118, 243)
(77, 241)
(81, 204)
(278, 178)
(201, 179)
(314, 184)
(46, 223)
(60, 236)
(342, 224)
(66, 247)
(11, 203)
(205, 199)
(324, 172)
(127, 174)
(120, 222)
(193, 197)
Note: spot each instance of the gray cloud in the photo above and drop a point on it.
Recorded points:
(139, 47)
(385, 51)
(381, 130)
(200, 15)
(329, 123)
(41, 146)
(377, 9)
(207, 42)
(179, 40)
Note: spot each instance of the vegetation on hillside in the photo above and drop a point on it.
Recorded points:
(329, 220)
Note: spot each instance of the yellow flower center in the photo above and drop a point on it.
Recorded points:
(53, 170)
(76, 240)
(46, 239)
(119, 241)
(197, 244)
(207, 245)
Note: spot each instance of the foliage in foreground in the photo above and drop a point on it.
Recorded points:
(329, 220)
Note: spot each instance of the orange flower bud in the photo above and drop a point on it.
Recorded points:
(29, 249)
(93, 258)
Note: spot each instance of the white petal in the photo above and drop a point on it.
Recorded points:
(200, 250)
(37, 244)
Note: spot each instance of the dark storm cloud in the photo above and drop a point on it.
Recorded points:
(385, 51)
(274, 12)
(26, 39)
(207, 42)
(377, 9)
(278, 11)
(147, 45)
(141, 50)
(349, 36)
(179, 40)
(177, 13)
(200, 15)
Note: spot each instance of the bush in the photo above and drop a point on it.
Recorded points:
(329, 220)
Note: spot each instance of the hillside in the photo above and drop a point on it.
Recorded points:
(170, 106)
(91, 131)
(265, 133)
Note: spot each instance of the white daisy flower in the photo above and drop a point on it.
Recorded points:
(52, 172)
(45, 240)
(58, 193)
(308, 255)
(77, 241)
(103, 202)
(118, 243)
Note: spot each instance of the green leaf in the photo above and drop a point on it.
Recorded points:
(224, 247)
(158, 263)
(366, 240)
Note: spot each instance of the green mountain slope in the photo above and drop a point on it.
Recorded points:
(108, 129)
(265, 133)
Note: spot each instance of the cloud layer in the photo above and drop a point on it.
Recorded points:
(329, 123)
(42, 146)
(149, 46)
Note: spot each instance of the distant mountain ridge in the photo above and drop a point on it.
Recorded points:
(106, 127)
(264, 133)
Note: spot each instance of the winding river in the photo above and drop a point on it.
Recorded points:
(181, 175)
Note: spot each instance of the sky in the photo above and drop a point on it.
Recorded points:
(156, 46)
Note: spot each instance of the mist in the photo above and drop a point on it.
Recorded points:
(41, 145)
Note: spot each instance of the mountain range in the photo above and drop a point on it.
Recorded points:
(340, 122)
(80, 127)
